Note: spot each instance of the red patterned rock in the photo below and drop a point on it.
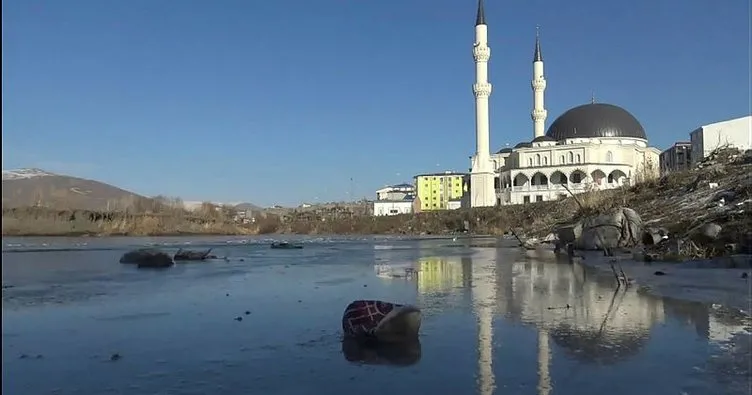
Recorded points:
(381, 320)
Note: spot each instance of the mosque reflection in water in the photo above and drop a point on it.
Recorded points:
(588, 319)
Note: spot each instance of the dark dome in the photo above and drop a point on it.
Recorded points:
(543, 138)
(504, 151)
(523, 145)
(596, 120)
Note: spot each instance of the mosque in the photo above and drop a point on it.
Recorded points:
(591, 146)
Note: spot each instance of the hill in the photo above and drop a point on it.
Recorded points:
(36, 187)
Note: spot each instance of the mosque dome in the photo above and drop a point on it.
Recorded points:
(596, 120)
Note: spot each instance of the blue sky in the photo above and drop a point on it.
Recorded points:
(286, 101)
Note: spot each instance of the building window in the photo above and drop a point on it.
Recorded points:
(579, 158)
(529, 161)
(538, 198)
(561, 159)
(545, 160)
(576, 177)
(526, 199)
(571, 157)
(537, 159)
(609, 157)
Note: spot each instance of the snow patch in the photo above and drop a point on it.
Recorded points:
(20, 174)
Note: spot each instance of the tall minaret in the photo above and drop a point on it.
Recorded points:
(538, 84)
(483, 193)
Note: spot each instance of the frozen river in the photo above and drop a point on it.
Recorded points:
(264, 321)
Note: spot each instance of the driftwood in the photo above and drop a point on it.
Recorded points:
(188, 255)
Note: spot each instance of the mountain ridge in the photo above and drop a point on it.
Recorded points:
(25, 187)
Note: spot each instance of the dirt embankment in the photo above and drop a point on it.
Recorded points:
(719, 191)
(39, 221)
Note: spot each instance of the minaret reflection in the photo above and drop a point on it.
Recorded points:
(544, 362)
(484, 301)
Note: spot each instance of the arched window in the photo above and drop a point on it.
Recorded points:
(579, 158)
(610, 178)
(530, 161)
(571, 157)
(609, 157)
(537, 159)
(545, 160)
(561, 160)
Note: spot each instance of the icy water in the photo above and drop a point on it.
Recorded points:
(495, 321)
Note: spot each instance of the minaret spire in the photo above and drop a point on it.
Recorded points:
(480, 19)
(538, 56)
(538, 84)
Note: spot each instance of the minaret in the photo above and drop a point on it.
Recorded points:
(538, 84)
(482, 175)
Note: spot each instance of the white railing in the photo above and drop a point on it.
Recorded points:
(547, 187)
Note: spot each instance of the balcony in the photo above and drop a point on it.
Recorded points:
(575, 187)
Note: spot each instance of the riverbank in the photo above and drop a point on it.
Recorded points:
(719, 190)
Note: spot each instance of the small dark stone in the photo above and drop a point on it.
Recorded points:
(242, 260)
(238, 318)
(365, 285)
(23, 356)
(247, 312)
(115, 357)
(659, 273)
(39, 356)
(745, 275)
(300, 301)
(227, 294)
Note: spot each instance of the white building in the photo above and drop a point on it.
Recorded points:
(392, 207)
(395, 192)
(734, 132)
(592, 146)
(394, 200)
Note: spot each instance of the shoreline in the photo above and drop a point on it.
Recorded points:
(722, 288)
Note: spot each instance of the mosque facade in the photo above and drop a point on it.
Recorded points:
(589, 147)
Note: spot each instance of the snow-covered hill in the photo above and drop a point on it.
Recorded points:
(19, 174)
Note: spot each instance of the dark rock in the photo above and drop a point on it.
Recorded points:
(726, 196)
(115, 357)
(745, 275)
(569, 233)
(238, 318)
(381, 321)
(283, 245)
(706, 233)
(148, 258)
(659, 273)
(188, 255)
(652, 236)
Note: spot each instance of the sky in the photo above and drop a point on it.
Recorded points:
(283, 102)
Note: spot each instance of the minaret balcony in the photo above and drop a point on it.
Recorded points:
(482, 89)
(538, 84)
(481, 53)
(539, 114)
